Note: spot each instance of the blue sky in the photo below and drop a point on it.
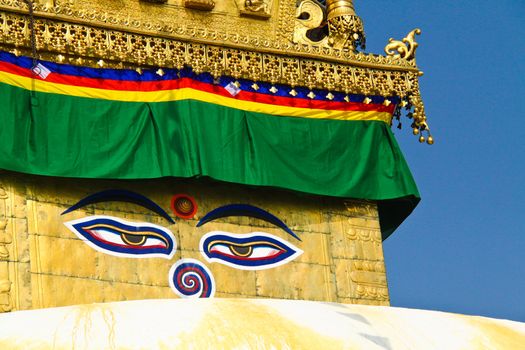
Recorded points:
(463, 248)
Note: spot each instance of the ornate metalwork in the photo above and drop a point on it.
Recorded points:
(257, 8)
(405, 49)
(67, 33)
(204, 5)
(309, 16)
(345, 27)
(262, 36)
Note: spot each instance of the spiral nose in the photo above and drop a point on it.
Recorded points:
(189, 278)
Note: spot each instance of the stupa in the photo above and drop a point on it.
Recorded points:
(234, 152)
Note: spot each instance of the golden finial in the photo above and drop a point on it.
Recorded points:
(345, 28)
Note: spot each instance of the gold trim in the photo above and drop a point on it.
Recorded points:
(83, 37)
(83, 45)
(159, 29)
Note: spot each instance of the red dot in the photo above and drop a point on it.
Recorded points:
(183, 206)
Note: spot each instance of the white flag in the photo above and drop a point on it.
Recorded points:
(232, 89)
(41, 71)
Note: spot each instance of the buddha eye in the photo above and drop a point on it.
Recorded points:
(122, 238)
(253, 251)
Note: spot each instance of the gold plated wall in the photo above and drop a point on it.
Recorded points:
(43, 264)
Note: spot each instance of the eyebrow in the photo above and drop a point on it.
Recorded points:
(245, 210)
(120, 196)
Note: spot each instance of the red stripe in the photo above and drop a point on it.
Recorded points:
(130, 85)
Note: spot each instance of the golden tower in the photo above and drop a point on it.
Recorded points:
(137, 66)
(235, 152)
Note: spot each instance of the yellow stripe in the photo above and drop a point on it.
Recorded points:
(187, 94)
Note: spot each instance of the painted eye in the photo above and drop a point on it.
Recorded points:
(253, 251)
(122, 238)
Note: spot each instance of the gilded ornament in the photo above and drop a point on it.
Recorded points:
(308, 16)
(344, 26)
(203, 5)
(405, 49)
(283, 49)
(257, 8)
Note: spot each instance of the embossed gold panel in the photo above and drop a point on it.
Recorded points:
(43, 264)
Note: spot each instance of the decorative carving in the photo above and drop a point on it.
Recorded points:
(140, 42)
(345, 27)
(257, 8)
(186, 29)
(405, 49)
(364, 234)
(204, 5)
(370, 278)
(369, 292)
(358, 208)
(308, 16)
